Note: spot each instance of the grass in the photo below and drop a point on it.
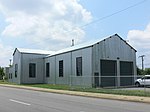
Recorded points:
(49, 86)
(93, 90)
(4, 82)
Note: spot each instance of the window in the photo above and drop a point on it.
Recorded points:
(61, 68)
(146, 77)
(32, 70)
(11, 76)
(79, 66)
(16, 69)
(47, 69)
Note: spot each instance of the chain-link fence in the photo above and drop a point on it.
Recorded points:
(109, 81)
(126, 83)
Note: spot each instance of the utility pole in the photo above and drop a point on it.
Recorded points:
(142, 57)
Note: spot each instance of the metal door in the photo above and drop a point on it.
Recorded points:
(96, 79)
(108, 73)
(126, 73)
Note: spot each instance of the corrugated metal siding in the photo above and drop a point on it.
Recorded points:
(16, 60)
(39, 61)
(85, 79)
(69, 60)
(66, 68)
(113, 48)
(52, 78)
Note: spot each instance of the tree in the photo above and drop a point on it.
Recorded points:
(147, 71)
(139, 71)
(2, 74)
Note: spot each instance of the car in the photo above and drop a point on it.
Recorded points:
(144, 81)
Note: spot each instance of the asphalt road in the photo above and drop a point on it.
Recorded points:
(20, 100)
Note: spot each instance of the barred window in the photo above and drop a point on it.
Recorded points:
(32, 70)
(47, 69)
(61, 68)
(16, 69)
(79, 66)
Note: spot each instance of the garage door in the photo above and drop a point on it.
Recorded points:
(108, 73)
(126, 73)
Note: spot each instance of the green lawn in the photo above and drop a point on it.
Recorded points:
(4, 82)
(93, 90)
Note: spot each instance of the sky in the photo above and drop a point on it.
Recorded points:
(52, 24)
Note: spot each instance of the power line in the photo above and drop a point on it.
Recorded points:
(102, 18)
(95, 21)
(147, 63)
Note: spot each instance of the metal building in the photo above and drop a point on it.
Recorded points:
(24, 61)
(103, 63)
(109, 62)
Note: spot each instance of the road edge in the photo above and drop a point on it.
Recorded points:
(85, 94)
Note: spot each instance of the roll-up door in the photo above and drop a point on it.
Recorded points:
(108, 73)
(126, 73)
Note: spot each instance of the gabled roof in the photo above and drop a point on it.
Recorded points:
(76, 47)
(33, 51)
(85, 45)
(125, 42)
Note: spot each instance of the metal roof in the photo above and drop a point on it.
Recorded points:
(85, 45)
(71, 48)
(76, 47)
(33, 51)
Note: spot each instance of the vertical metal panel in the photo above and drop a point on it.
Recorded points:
(113, 48)
(85, 79)
(16, 60)
(52, 78)
(66, 68)
(38, 60)
(69, 60)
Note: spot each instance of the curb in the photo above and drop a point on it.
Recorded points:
(85, 94)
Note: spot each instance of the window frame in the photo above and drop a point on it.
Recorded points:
(16, 70)
(48, 69)
(79, 66)
(32, 73)
(61, 68)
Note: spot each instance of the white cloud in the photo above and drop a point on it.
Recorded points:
(141, 41)
(45, 21)
(6, 54)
